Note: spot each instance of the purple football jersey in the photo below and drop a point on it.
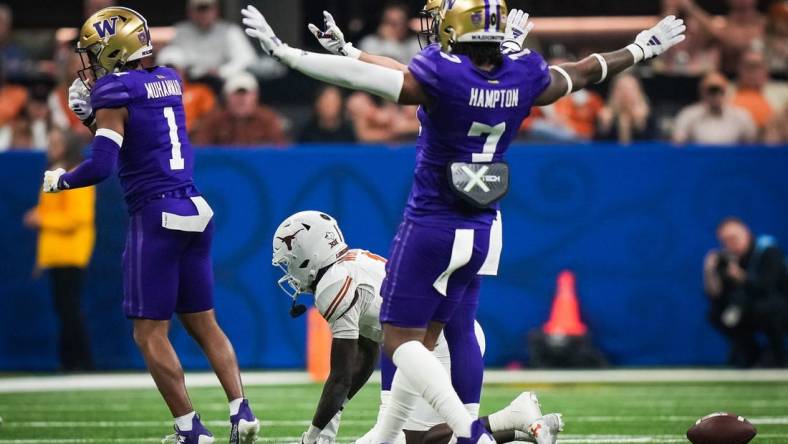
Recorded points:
(156, 156)
(473, 117)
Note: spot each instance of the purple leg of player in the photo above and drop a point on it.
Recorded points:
(467, 366)
(156, 281)
(428, 273)
(387, 370)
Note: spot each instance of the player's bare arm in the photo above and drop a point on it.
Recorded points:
(570, 77)
(337, 386)
(366, 361)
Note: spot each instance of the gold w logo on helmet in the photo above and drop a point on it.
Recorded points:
(106, 27)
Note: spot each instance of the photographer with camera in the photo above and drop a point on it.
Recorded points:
(746, 283)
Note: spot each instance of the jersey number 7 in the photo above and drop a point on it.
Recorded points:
(491, 144)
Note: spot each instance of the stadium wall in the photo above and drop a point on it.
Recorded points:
(633, 223)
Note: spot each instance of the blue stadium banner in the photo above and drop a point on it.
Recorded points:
(632, 223)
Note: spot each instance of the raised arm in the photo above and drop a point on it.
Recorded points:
(104, 155)
(332, 39)
(569, 77)
(391, 84)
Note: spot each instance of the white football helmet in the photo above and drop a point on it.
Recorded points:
(305, 243)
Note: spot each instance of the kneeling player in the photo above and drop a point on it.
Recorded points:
(310, 248)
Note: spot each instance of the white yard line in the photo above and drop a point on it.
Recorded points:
(771, 420)
(143, 380)
(564, 439)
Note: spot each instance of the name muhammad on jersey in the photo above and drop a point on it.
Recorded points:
(494, 98)
(163, 88)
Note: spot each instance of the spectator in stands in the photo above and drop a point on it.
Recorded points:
(242, 120)
(69, 64)
(66, 235)
(375, 123)
(91, 7)
(696, 55)
(213, 47)
(573, 117)
(12, 104)
(328, 124)
(16, 61)
(746, 284)
(777, 40)
(714, 120)
(627, 115)
(37, 112)
(742, 27)
(777, 131)
(753, 77)
(198, 98)
(393, 38)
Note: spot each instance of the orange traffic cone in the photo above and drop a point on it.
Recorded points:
(565, 315)
(318, 346)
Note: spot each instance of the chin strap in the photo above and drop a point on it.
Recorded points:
(296, 310)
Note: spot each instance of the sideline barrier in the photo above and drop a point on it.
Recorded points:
(632, 223)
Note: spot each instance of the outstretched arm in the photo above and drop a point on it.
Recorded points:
(104, 155)
(332, 39)
(391, 84)
(569, 77)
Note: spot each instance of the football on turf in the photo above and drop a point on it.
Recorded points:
(721, 428)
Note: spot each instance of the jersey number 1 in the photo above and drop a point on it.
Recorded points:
(176, 161)
(491, 144)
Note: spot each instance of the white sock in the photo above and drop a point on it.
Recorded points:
(428, 377)
(235, 405)
(395, 409)
(473, 409)
(184, 423)
(518, 415)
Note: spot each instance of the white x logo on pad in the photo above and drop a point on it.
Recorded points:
(476, 179)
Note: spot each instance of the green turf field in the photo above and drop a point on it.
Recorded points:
(594, 413)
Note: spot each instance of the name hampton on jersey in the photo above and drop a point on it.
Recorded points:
(494, 98)
(163, 88)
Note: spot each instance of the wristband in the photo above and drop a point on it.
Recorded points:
(569, 84)
(637, 52)
(603, 64)
(350, 51)
(90, 120)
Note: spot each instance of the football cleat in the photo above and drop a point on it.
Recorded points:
(244, 427)
(479, 435)
(545, 429)
(197, 435)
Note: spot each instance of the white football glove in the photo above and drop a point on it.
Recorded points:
(257, 27)
(79, 101)
(333, 39)
(666, 34)
(51, 178)
(517, 29)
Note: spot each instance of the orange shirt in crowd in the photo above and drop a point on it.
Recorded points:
(579, 115)
(756, 104)
(198, 100)
(12, 101)
(220, 127)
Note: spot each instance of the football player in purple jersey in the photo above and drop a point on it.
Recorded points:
(474, 87)
(136, 113)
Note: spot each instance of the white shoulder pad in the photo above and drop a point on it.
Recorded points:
(335, 292)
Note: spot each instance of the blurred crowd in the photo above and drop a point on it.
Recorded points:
(735, 65)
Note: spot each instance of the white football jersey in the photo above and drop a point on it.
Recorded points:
(348, 296)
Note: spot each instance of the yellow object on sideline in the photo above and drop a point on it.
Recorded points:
(67, 228)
